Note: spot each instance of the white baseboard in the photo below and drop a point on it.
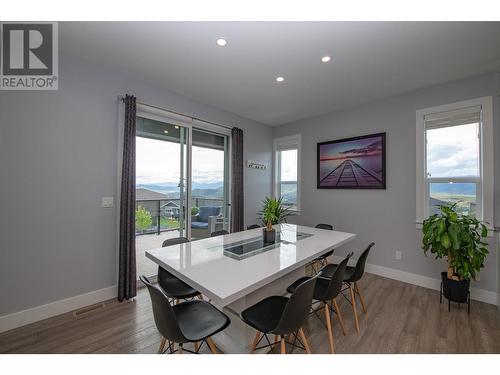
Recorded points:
(35, 314)
(424, 281)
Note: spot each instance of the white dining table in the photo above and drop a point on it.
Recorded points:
(236, 270)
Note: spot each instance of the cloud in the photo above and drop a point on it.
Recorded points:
(453, 151)
(159, 162)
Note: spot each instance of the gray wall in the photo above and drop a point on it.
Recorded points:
(387, 217)
(58, 153)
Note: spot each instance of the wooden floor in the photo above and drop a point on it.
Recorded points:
(401, 318)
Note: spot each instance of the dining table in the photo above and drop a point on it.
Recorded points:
(237, 270)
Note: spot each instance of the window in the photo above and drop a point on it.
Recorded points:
(455, 159)
(287, 170)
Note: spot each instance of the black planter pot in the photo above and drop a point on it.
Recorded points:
(455, 290)
(269, 236)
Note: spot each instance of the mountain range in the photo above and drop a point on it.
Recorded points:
(209, 190)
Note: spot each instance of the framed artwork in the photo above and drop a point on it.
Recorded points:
(352, 163)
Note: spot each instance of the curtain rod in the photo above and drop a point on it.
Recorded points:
(122, 98)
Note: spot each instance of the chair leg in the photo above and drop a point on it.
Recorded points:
(283, 347)
(162, 345)
(339, 316)
(180, 349)
(329, 326)
(276, 339)
(361, 299)
(304, 339)
(196, 346)
(255, 341)
(212, 346)
(353, 304)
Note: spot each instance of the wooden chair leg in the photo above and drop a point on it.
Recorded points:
(353, 304)
(162, 345)
(255, 341)
(212, 346)
(196, 346)
(329, 326)
(361, 299)
(283, 346)
(276, 339)
(304, 340)
(339, 316)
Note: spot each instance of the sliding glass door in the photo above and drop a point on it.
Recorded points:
(182, 188)
(161, 186)
(210, 183)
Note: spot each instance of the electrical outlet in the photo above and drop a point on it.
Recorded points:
(398, 255)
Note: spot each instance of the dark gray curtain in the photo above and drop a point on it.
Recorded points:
(237, 180)
(126, 267)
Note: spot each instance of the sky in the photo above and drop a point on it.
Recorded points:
(289, 165)
(341, 150)
(159, 162)
(453, 151)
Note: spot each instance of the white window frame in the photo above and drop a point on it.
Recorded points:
(484, 184)
(282, 144)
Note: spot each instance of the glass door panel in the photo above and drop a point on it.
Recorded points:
(210, 183)
(161, 186)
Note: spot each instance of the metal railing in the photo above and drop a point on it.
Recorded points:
(170, 209)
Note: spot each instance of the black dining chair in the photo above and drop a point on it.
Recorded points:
(282, 317)
(352, 276)
(188, 322)
(253, 226)
(219, 233)
(322, 260)
(326, 291)
(173, 287)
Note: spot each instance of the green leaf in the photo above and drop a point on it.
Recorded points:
(445, 241)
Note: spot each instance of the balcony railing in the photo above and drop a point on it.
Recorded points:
(165, 213)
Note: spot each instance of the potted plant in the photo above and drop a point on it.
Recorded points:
(273, 212)
(459, 239)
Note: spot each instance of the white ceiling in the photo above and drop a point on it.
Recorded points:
(370, 60)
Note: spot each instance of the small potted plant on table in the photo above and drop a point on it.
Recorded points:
(273, 212)
(459, 238)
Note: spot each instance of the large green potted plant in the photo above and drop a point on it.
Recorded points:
(273, 212)
(459, 239)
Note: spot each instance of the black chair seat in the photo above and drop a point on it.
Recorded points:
(173, 287)
(199, 319)
(320, 289)
(325, 255)
(265, 315)
(328, 271)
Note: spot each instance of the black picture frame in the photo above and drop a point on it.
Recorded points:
(381, 182)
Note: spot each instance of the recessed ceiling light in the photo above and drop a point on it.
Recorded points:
(325, 59)
(176, 126)
(221, 42)
(280, 79)
(165, 131)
